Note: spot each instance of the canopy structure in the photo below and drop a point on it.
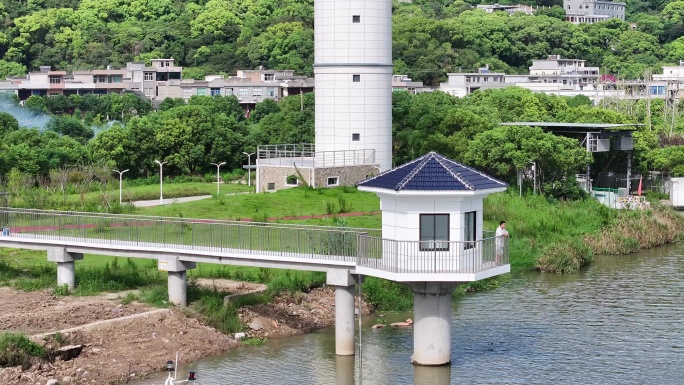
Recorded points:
(595, 137)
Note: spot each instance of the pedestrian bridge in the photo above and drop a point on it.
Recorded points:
(273, 245)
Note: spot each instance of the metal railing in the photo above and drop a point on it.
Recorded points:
(273, 239)
(363, 247)
(304, 155)
(446, 257)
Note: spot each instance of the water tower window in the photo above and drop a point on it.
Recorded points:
(356, 137)
(356, 19)
(356, 78)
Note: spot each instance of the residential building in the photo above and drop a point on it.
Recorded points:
(404, 83)
(249, 86)
(510, 9)
(156, 83)
(593, 11)
(561, 74)
(554, 75)
(462, 84)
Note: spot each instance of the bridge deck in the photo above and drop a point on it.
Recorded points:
(313, 248)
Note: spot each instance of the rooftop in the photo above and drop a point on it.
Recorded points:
(577, 127)
(433, 172)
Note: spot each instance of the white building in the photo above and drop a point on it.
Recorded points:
(510, 9)
(593, 11)
(554, 76)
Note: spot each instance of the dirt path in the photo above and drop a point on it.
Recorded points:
(115, 352)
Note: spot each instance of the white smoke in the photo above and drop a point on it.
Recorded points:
(26, 117)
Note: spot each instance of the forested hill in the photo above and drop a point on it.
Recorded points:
(431, 37)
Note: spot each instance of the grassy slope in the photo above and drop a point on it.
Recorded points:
(284, 203)
(171, 190)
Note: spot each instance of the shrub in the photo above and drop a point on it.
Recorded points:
(387, 295)
(565, 257)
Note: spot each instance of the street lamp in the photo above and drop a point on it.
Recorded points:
(249, 168)
(120, 182)
(218, 177)
(161, 191)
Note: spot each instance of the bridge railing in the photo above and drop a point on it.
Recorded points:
(297, 241)
(432, 256)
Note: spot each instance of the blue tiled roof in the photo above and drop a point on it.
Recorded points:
(433, 172)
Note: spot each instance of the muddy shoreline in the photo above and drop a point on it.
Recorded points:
(125, 349)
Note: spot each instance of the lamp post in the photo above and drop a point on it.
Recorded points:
(218, 177)
(249, 169)
(120, 182)
(161, 190)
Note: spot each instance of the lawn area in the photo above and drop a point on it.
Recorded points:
(171, 190)
(260, 207)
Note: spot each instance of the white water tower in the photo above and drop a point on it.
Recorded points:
(353, 71)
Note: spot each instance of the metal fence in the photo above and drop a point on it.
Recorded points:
(304, 155)
(365, 247)
(273, 239)
(432, 256)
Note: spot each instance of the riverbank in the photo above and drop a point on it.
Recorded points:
(125, 348)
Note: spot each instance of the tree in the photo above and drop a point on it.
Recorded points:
(8, 69)
(262, 109)
(505, 149)
(8, 123)
(66, 125)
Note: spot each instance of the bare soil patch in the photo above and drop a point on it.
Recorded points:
(117, 352)
(40, 311)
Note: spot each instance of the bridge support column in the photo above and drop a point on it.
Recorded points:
(66, 265)
(178, 278)
(344, 310)
(432, 323)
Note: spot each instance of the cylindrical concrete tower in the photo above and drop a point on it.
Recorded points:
(353, 68)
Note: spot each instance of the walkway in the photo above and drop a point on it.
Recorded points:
(312, 248)
(155, 202)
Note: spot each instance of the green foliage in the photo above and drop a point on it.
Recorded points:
(18, 350)
(566, 257)
(387, 295)
(255, 341)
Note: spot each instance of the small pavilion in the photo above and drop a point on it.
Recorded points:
(432, 222)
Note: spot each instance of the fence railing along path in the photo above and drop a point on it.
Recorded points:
(360, 247)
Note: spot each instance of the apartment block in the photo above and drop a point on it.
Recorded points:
(593, 11)
(249, 86)
(554, 75)
(157, 82)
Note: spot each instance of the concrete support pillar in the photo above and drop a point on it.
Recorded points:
(178, 279)
(344, 320)
(344, 310)
(66, 274)
(432, 323)
(178, 286)
(66, 267)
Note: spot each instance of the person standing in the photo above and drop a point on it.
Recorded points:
(501, 235)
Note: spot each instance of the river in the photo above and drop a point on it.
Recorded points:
(620, 321)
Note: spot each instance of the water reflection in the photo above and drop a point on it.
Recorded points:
(345, 370)
(431, 375)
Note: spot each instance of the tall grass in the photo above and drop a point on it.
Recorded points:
(536, 224)
(564, 236)
(17, 349)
